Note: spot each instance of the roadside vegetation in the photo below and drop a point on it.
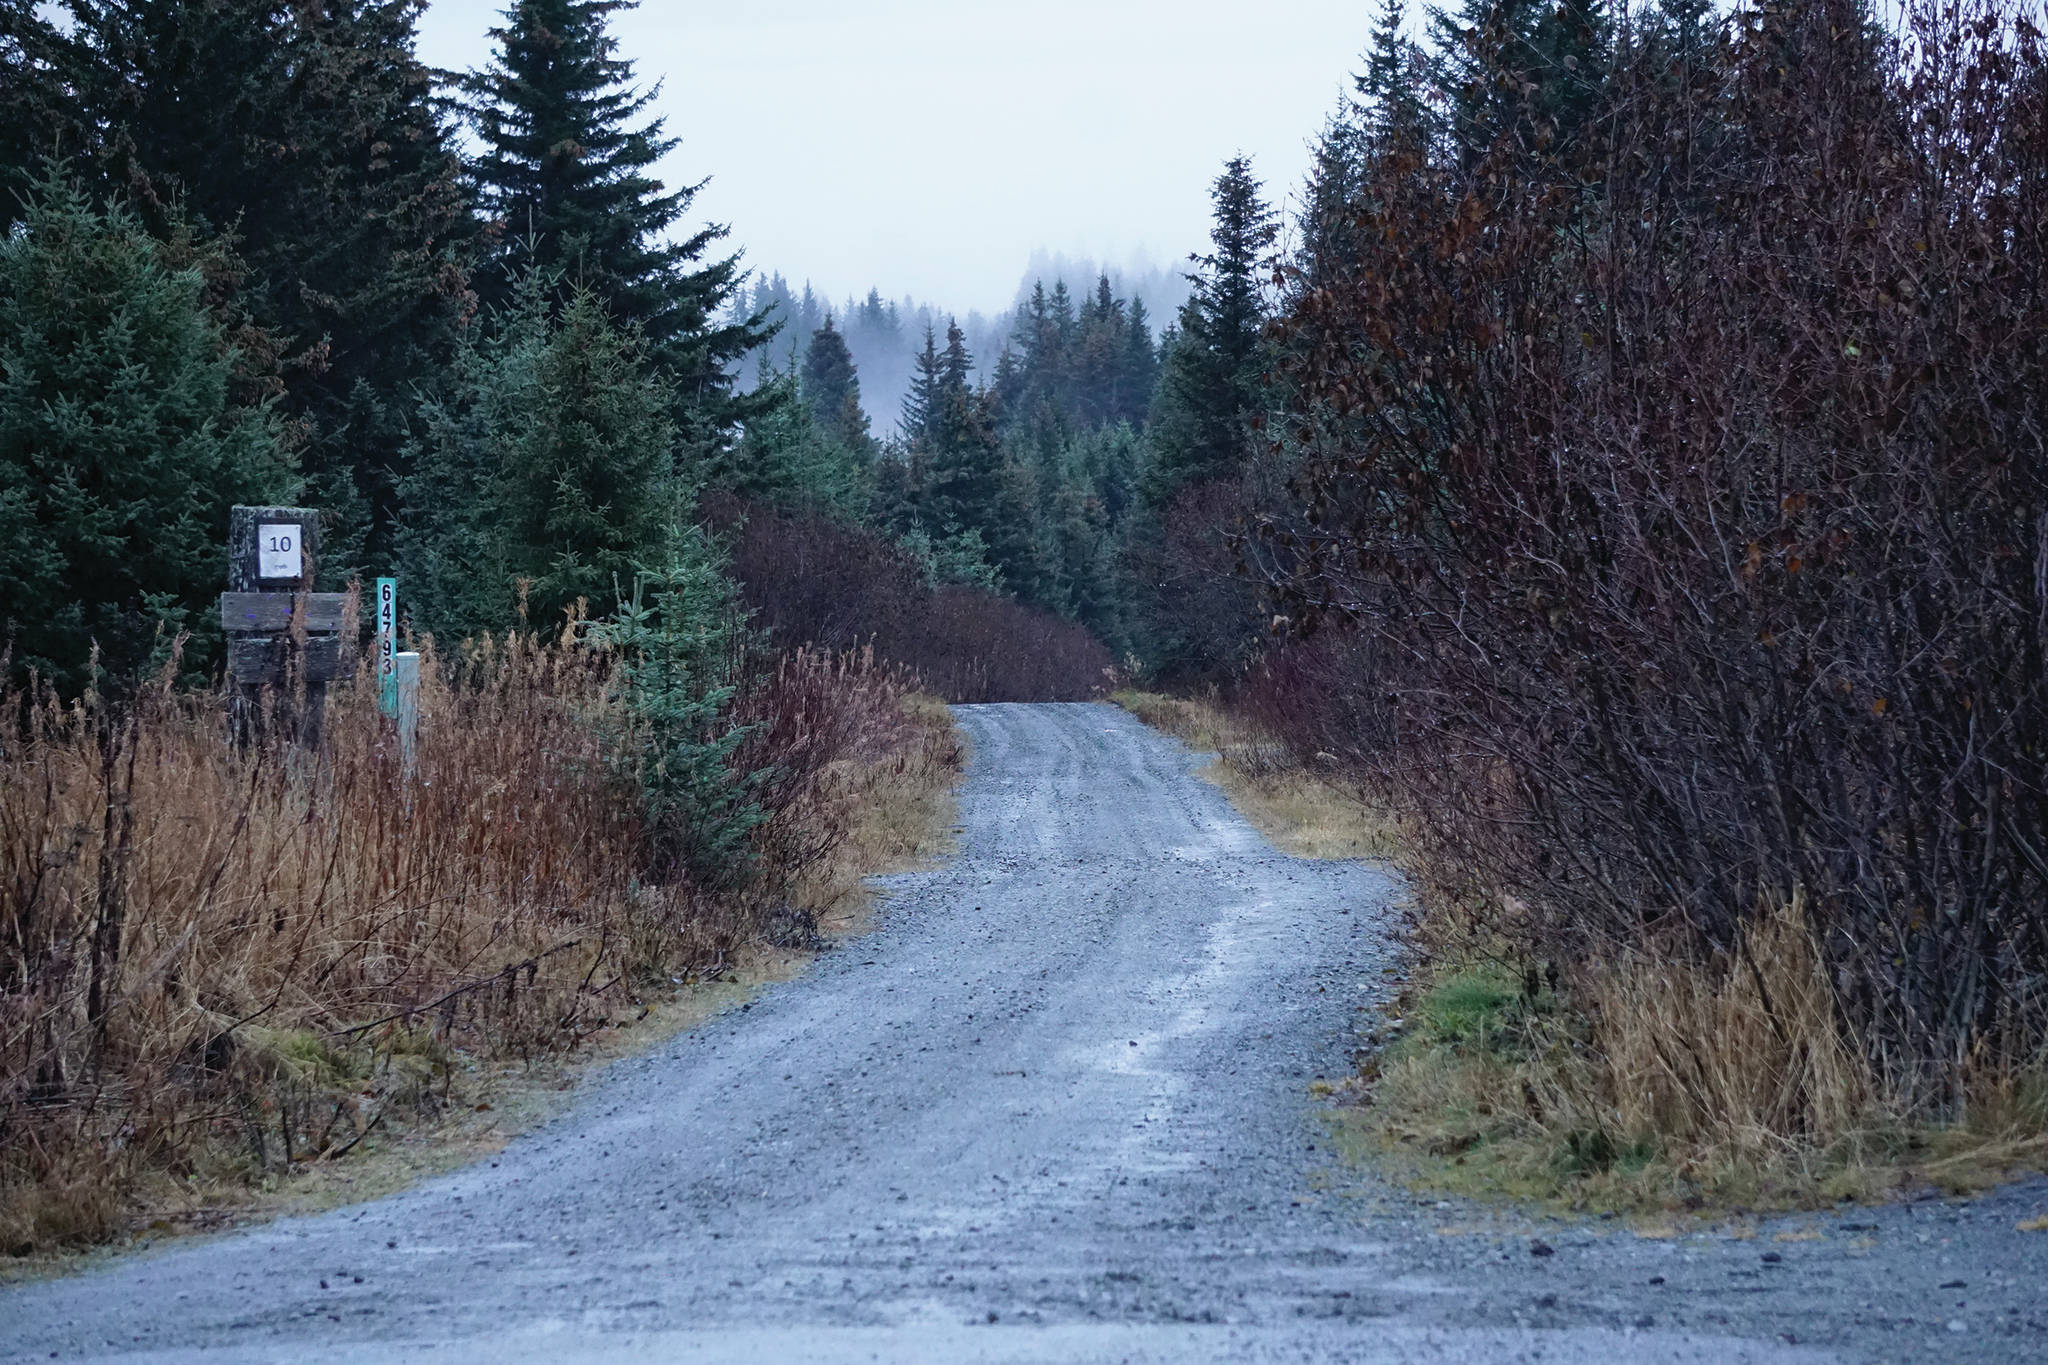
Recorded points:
(1649, 511)
(225, 969)
(1304, 806)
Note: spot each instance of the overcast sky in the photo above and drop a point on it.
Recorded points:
(927, 146)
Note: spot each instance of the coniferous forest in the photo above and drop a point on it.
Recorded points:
(1620, 467)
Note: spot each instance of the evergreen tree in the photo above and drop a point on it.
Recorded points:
(1006, 389)
(921, 404)
(545, 475)
(961, 457)
(676, 633)
(567, 170)
(786, 455)
(120, 448)
(1389, 102)
(956, 372)
(1011, 524)
(831, 388)
(32, 60)
(313, 135)
(1525, 71)
(1099, 355)
(1383, 117)
(1140, 367)
(1212, 379)
(585, 493)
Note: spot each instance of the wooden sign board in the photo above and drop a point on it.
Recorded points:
(275, 613)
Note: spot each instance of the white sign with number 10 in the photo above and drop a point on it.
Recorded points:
(278, 554)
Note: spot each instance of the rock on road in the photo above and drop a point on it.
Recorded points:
(1054, 1108)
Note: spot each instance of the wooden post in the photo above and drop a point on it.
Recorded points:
(273, 616)
(406, 695)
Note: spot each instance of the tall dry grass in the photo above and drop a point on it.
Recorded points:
(1654, 1079)
(216, 966)
(1647, 1078)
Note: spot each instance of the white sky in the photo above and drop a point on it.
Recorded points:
(927, 147)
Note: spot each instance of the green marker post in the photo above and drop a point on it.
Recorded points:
(387, 646)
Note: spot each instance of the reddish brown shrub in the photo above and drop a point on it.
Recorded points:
(812, 580)
(1679, 494)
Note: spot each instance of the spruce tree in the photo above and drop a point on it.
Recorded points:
(585, 494)
(1527, 73)
(1212, 379)
(921, 405)
(567, 171)
(31, 72)
(1140, 366)
(958, 455)
(313, 135)
(785, 455)
(1099, 355)
(831, 388)
(545, 475)
(1389, 102)
(1384, 116)
(676, 633)
(121, 448)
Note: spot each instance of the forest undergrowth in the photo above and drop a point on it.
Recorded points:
(230, 969)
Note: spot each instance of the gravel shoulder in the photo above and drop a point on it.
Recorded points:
(1055, 1107)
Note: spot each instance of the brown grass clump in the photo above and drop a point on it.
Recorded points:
(1659, 1081)
(220, 968)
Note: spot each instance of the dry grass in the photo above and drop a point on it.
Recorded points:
(222, 971)
(1657, 1083)
(1304, 812)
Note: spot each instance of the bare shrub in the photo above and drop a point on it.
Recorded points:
(812, 580)
(1674, 497)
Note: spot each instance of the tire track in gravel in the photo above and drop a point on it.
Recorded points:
(1053, 1108)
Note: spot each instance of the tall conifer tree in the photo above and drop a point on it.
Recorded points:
(1213, 377)
(121, 447)
(312, 133)
(831, 386)
(568, 171)
(1528, 71)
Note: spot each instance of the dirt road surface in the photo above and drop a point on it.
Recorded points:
(1055, 1108)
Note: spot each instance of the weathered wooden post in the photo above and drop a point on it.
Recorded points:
(406, 695)
(274, 619)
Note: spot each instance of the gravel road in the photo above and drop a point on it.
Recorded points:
(1055, 1108)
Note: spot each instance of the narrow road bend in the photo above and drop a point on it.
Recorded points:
(1054, 1108)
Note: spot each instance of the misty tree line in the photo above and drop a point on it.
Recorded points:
(1050, 470)
(885, 334)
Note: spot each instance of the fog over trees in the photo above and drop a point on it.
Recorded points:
(884, 334)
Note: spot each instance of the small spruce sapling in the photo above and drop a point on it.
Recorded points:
(678, 634)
